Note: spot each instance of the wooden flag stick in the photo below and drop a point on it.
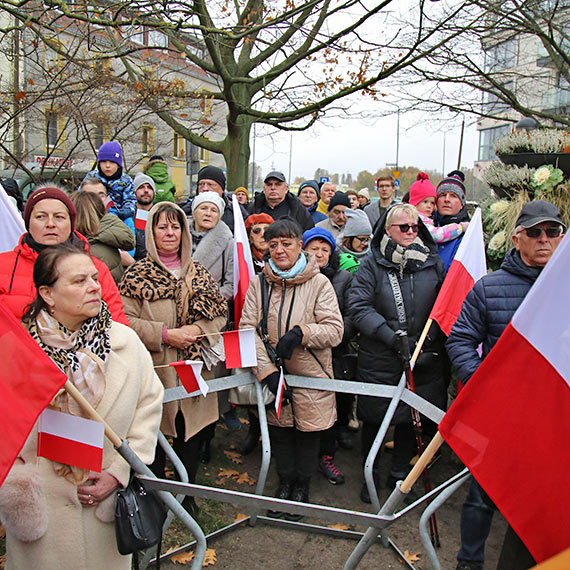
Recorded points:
(421, 342)
(422, 463)
(91, 412)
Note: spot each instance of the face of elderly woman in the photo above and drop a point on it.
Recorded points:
(50, 223)
(76, 295)
(167, 234)
(321, 249)
(285, 251)
(206, 216)
(256, 237)
(403, 229)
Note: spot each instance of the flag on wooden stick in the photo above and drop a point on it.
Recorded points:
(190, 374)
(240, 350)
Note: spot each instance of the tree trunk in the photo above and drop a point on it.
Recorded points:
(236, 152)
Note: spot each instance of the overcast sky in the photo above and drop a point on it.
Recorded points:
(353, 145)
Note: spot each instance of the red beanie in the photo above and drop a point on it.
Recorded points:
(53, 194)
(255, 219)
(421, 189)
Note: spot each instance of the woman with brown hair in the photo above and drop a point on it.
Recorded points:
(172, 301)
(106, 233)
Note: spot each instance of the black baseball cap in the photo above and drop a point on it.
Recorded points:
(277, 175)
(539, 211)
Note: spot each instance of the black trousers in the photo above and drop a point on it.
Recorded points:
(187, 451)
(404, 445)
(296, 452)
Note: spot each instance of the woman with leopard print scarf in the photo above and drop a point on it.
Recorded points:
(170, 301)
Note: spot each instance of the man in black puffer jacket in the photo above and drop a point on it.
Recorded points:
(486, 312)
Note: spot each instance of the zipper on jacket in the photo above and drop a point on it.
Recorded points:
(14, 270)
(283, 291)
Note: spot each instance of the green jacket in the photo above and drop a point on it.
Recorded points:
(165, 188)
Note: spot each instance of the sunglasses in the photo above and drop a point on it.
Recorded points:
(257, 230)
(405, 228)
(535, 233)
(362, 239)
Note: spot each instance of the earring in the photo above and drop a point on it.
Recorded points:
(51, 310)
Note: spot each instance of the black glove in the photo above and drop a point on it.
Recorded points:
(288, 342)
(404, 346)
(272, 382)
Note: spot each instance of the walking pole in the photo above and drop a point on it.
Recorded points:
(131, 457)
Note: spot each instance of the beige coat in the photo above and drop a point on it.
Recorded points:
(147, 319)
(315, 310)
(81, 538)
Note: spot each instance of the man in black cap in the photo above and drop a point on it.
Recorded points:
(213, 179)
(487, 310)
(336, 220)
(278, 202)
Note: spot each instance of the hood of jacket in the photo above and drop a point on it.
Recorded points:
(311, 269)
(423, 234)
(158, 171)
(185, 239)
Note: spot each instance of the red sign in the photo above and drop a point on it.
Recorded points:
(54, 161)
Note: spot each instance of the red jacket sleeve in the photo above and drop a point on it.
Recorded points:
(110, 293)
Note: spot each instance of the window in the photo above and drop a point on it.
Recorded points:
(493, 104)
(52, 131)
(147, 140)
(501, 56)
(157, 39)
(178, 147)
(137, 35)
(487, 138)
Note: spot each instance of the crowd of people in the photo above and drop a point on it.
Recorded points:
(117, 280)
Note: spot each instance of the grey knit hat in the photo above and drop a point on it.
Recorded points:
(357, 223)
(141, 179)
(453, 183)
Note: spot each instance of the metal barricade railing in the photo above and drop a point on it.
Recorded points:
(386, 515)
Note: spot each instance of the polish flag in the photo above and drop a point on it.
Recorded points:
(29, 380)
(243, 264)
(141, 219)
(239, 347)
(511, 423)
(71, 440)
(279, 395)
(190, 374)
(11, 223)
(467, 267)
(109, 203)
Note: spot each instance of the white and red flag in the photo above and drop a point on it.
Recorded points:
(109, 203)
(141, 219)
(71, 440)
(11, 223)
(239, 347)
(511, 423)
(29, 380)
(190, 374)
(279, 395)
(243, 264)
(467, 267)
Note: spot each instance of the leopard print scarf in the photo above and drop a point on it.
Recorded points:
(196, 295)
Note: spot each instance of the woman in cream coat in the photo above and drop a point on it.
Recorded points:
(63, 516)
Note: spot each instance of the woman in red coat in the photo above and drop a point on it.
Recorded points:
(50, 219)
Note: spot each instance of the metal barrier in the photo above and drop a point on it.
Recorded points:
(386, 515)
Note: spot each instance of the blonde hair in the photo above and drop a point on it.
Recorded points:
(90, 210)
(401, 209)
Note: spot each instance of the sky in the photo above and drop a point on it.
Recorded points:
(355, 144)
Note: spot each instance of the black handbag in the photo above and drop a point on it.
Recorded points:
(139, 518)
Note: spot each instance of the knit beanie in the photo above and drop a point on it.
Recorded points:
(339, 199)
(311, 184)
(111, 151)
(255, 219)
(320, 233)
(141, 179)
(364, 192)
(453, 183)
(49, 192)
(210, 196)
(213, 173)
(421, 189)
(242, 189)
(357, 223)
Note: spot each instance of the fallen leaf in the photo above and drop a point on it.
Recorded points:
(182, 557)
(234, 456)
(2, 531)
(240, 517)
(210, 558)
(245, 478)
(339, 526)
(412, 557)
(244, 420)
(2, 560)
(220, 482)
(229, 473)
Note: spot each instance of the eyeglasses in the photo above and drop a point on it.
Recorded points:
(535, 233)
(405, 228)
(362, 239)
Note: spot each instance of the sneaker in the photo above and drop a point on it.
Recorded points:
(464, 565)
(231, 420)
(330, 470)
